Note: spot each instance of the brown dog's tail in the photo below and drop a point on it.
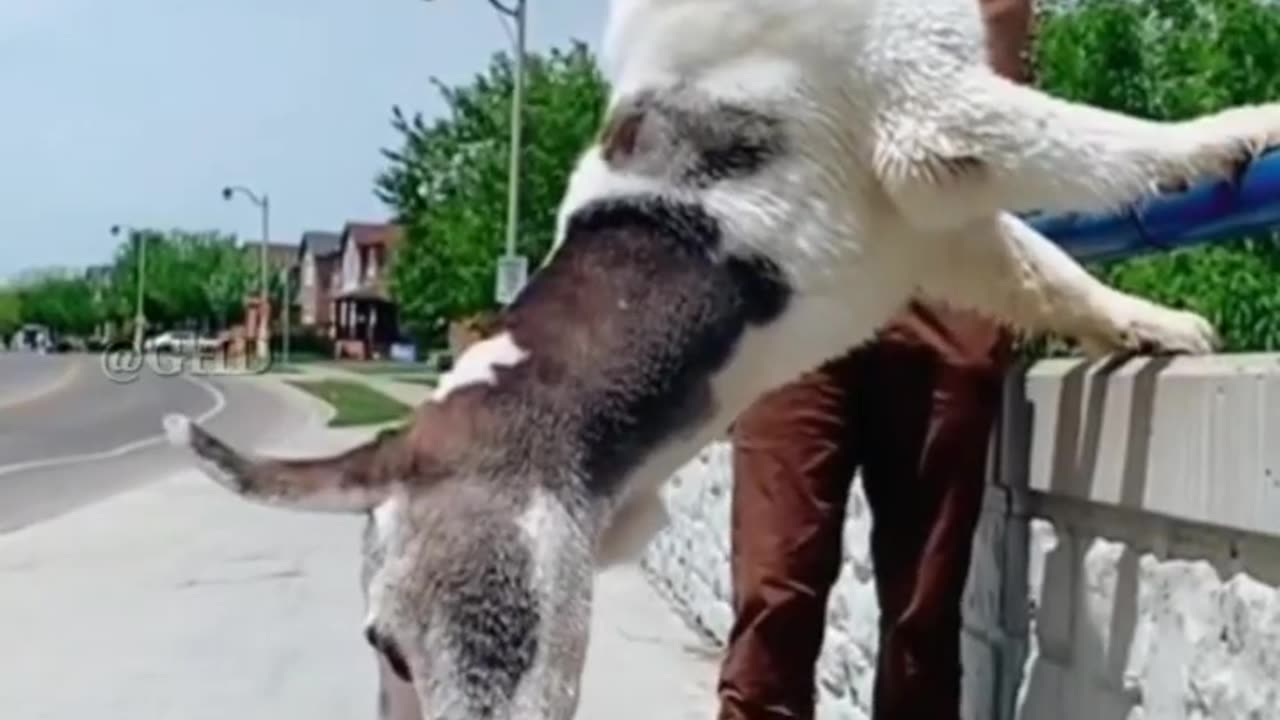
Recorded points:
(355, 481)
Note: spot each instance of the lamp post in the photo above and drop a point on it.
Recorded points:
(139, 318)
(286, 306)
(263, 202)
(512, 264)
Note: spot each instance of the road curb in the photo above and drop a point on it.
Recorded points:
(68, 375)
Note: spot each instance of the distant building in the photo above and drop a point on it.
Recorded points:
(319, 277)
(365, 318)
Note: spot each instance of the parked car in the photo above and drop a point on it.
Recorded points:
(32, 337)
(180, 342)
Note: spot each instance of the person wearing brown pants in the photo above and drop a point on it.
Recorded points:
(914, 411)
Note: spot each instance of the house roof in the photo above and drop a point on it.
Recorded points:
(370, 234)
(321, 243)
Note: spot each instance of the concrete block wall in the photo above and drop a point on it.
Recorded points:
(1127, 564)
(1125, 630)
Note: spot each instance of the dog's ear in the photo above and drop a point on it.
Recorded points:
(355, 481)
(626, 131)
(620, 137)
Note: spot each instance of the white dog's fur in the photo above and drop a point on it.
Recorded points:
(899, 159)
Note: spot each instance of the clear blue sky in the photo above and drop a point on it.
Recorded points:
(140, 111)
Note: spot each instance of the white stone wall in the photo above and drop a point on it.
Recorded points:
(1127, 565)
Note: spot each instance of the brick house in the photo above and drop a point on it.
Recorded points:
(365, 317)
(319, 265)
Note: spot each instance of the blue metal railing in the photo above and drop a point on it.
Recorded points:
(1212, 211)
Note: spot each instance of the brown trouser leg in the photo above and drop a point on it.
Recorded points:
(915, 411)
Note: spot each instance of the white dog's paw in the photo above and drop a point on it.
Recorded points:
(1142, 327)
(1224, 145)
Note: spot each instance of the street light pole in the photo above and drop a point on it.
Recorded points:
(264, 341)
(517, 11)
(264, 206)
(139, 318)
(287, 306)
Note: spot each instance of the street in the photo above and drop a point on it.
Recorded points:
(25, 375)
(90, 437)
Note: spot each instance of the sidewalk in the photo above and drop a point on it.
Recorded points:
(178, 601)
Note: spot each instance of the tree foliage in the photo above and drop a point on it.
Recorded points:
(60, 300)
(1175, 59)
(447, 182)
(10, 312)
(192, 279)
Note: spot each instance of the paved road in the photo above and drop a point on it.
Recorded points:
(95, 437)
(25, 374)
(93, 414)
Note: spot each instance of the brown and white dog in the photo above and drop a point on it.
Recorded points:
(774, 180)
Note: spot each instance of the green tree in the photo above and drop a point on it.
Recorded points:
(63, 301)
(447, 182)
(192, 278)
(10, 312)
(1174, 59)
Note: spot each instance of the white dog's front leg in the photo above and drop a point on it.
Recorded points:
(980, 144)
(1007, 270)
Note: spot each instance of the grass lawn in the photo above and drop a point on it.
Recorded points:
(355, 403)
(282, 369)
(428, 379)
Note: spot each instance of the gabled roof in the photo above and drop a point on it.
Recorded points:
(321, 243)
(372, 234)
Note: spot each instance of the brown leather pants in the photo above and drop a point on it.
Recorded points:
(914, 412)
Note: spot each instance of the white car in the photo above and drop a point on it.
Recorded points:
(180, 342)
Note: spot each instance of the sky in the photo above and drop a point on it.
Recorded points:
(138, 112)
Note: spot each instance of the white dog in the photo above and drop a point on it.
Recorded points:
(774, 181)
